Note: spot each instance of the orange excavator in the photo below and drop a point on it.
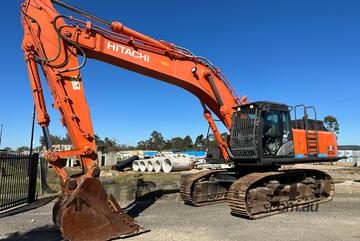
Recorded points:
(262, 135)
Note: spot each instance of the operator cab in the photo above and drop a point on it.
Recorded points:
(274, 128)
(263, 133)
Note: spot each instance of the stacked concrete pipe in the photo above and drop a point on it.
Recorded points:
(157, 165)
(142, 165)
(172, 164)
(135, 165)
(122, 164)
(149, 165)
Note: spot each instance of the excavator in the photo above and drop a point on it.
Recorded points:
(262, 137)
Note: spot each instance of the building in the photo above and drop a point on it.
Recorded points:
(352, 152)
(104, 158)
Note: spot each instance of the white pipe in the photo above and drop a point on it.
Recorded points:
(149, 165)
(167, 165)
(135, 165)
(157, 165)
(172, 164)
(142, 165)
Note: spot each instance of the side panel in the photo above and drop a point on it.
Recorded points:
(299, 139)
(326, 140)
(327, 143)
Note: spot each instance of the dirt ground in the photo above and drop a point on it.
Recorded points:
(169, 219)
(338, 173)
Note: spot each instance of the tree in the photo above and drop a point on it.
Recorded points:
(22, 148)
(156, 141)
(331, 124)
(141, 145)
(109, 142)
(167, 145)
(187, 143)
(56, 140)
(199, 143)
(124, 147)
(210, 142)
(111, 145)
(177, 143)
(7, 149)
(65, 140)
(98, 140)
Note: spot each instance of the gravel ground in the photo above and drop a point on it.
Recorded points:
(169, 219)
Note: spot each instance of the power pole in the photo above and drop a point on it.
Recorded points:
(32, 132)
(1, 128)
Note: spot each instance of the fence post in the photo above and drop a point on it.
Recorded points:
(33, 166)
(44, 187)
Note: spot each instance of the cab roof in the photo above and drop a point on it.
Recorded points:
(260, 104)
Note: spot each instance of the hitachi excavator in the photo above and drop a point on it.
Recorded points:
(262, 137)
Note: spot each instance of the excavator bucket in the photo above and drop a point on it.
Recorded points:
(88, 213)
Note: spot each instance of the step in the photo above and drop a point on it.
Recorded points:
(312, 144)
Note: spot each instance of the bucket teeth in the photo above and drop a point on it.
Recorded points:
(90, 214)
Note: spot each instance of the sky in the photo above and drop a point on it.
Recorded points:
(294, 52)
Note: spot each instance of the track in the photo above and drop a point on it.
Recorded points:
(196, 190)
(258, 195)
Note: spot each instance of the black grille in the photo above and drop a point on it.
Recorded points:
(17, 179)
(243, 141)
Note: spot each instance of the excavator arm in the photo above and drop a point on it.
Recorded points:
(54, 42)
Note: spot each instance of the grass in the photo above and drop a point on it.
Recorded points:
(119, 183)
(126, 186)
(14, 185)
(154, 177)
(120, 178)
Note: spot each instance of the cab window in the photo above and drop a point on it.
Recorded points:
(272, 123)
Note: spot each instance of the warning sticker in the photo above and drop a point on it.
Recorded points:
(75, 83)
